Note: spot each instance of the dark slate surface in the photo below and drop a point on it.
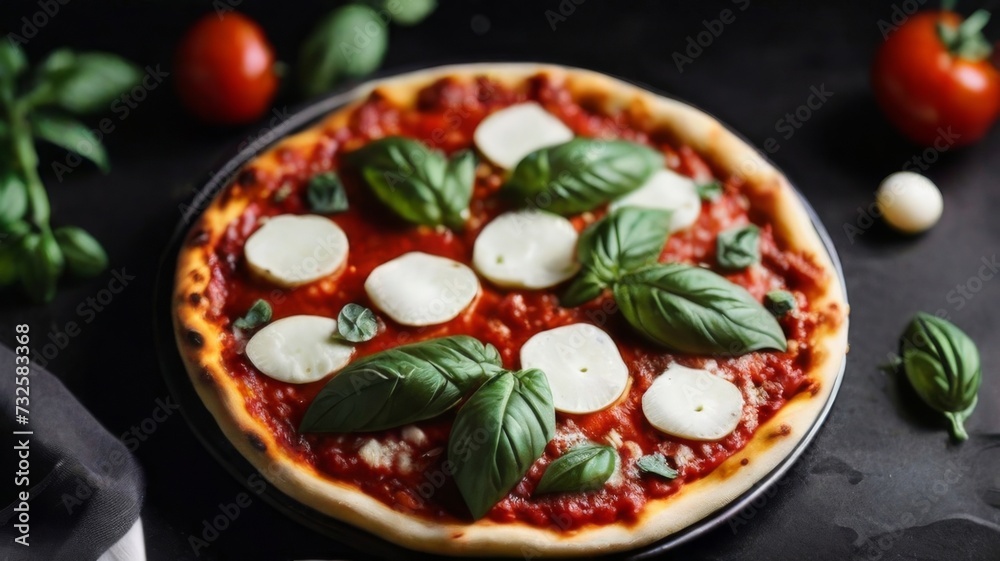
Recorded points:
(881, 481)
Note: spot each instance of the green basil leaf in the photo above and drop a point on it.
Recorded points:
(738, 248)
(456, 192)
(656, 464)
(710, 191)
(350, 42)
(779, 302)
(85, 82)
(72, 135)
(585, 287)
(357, 323)
(13, 197)
(626, 239)
(12, 61)
(693, 310)
(581, 174)
(405, 12)
(418, 184)
(258, 315)
(401, 385)
(943, 365)
(325, 194)
(499, 432)
(9, 266)
(59, 60)
(622, 241)
(84, 255)
(42, 264)
(11, 232)
(585, 467)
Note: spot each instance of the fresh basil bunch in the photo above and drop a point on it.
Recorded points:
(686, 308)
(942, 363)
(38, 109)
(421, 185)
(499, 432)
(401, 385)
(581, 174)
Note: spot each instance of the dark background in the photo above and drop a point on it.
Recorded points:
(881, 481)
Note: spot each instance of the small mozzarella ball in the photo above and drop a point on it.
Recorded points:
(909, 202)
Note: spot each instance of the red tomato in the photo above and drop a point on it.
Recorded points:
(225, 69)
(924, 89)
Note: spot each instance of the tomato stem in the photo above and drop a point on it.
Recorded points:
(967, 40)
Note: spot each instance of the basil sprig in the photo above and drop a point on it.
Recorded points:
(356, 323)
(625, 240)
(942, 363)
(258, 314)
(325, 194)
(420, 185)
(585, 467)
(693, 310)
(581, 174)
(656, 464)
(401, 385)
(38, 108)
(738, 248)
(499, 432)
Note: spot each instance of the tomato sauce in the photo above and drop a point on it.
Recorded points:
(417, 479)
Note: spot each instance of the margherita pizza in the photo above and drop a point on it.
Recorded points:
(511, 309)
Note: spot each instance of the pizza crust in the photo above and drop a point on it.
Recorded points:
(769, 193)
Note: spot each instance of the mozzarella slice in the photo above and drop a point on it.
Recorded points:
(291, 250)
(422, 289)
(516, 131)
(668, 191)
(298, 349)
(526, 249)
(585, 370)
(693, 404)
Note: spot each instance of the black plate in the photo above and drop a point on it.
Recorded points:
(209, 433)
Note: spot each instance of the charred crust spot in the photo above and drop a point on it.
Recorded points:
(197, 276)
(377, 95)
(458, 535)
(744, 461)
(206, 377)
(246, 177)
(194, 338)
(781, 431)
(592, 103)
(194, 298)
(256, 442)
(198, 237)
